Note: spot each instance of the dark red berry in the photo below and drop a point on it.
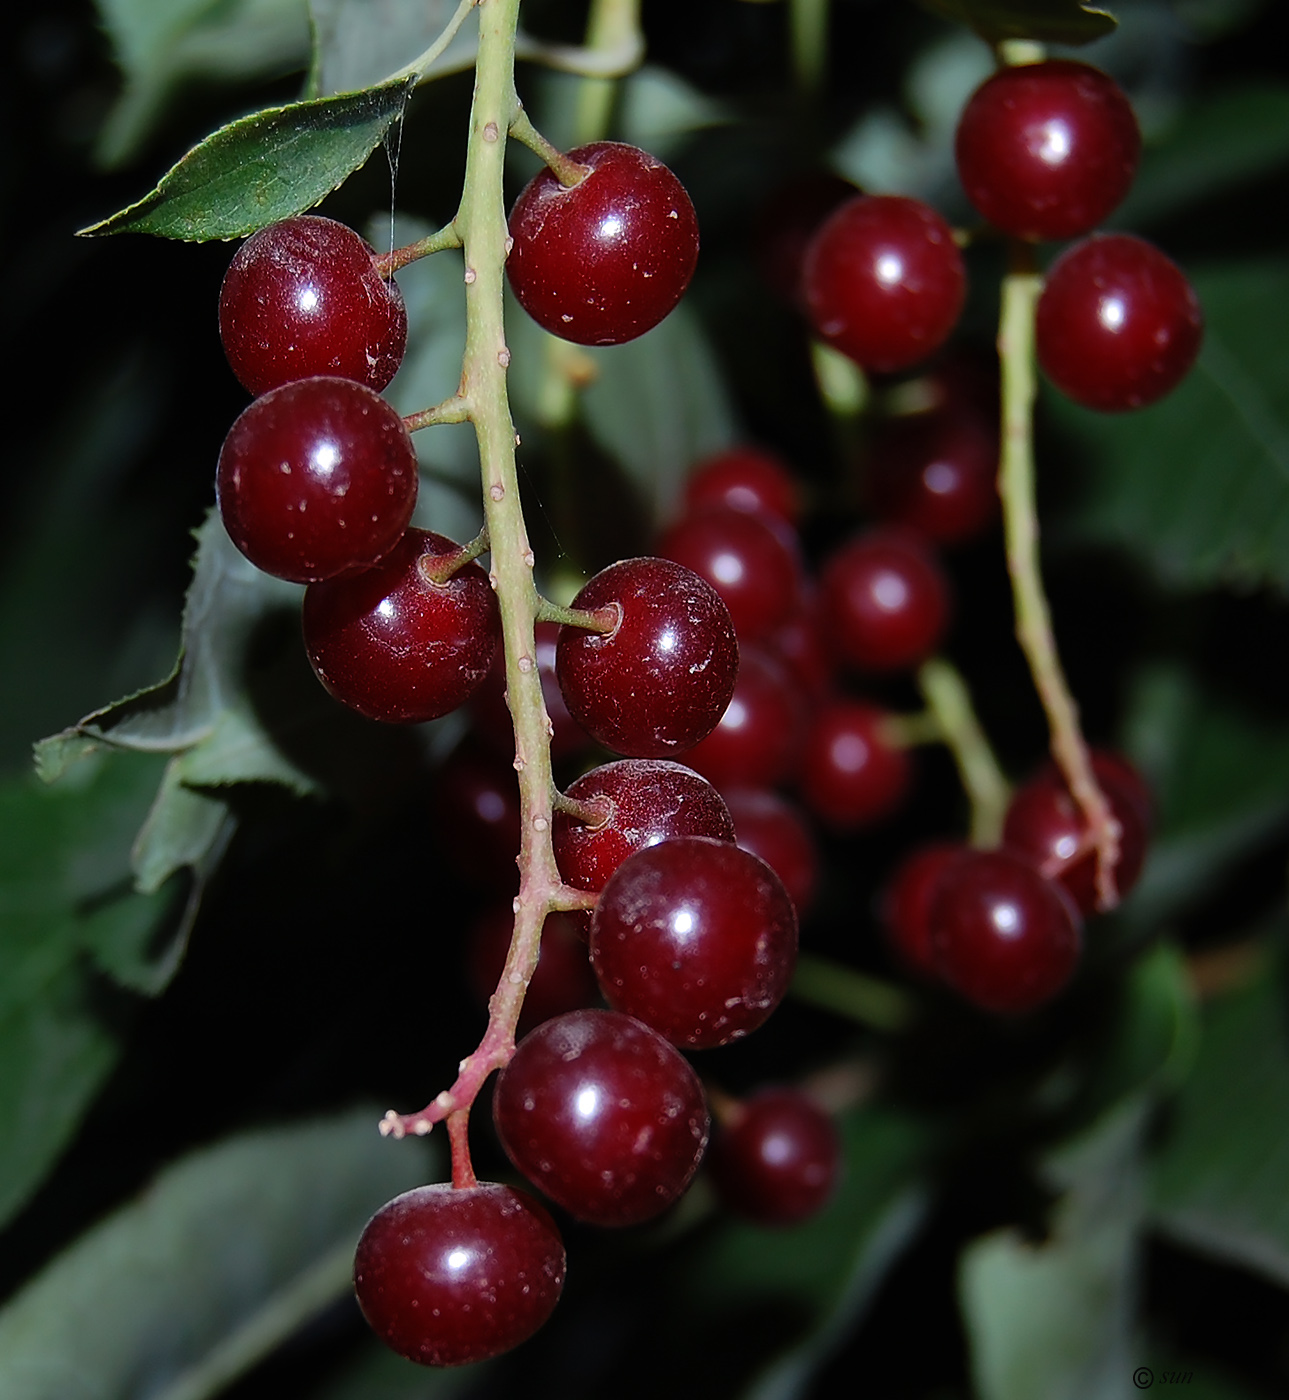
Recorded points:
(474, 815)
(643, 801)
(749, 479)
(757, 742)
(750, 560)
(316, 478)
(695, 937)
(562, 981)
(1047, 150)
(803, 648)
(1004, 937)
(775, 829)
(605, 260)
(1045, 825)
(603, 1115)
(884, 281)
(302, 298)
(788, 221)
(449, 1275)
(777, 1158)
(660, 680)
(884, 601)
(852, 774)
(906, 903)
(1118, 325)
(936, 473)
(396, 646)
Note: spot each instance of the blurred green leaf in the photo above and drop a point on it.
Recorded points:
(161, 43)
(264, 167)
(360, 43)
(1198, 484)
(1055, 1319)
(1219, 1176)
(226, 1253)
(1047, 21)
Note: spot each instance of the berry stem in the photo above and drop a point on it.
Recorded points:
(448, 564)
(604, 620)
(1021, 288)
(868, 1000)
(808, 21)
(949, 700)
(613, 26)
(387, 264)
(567, 172)
(453, 410)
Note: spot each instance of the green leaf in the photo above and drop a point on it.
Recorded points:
(1046, 21)
(1054, 1319)
(360, 43)
(1198, 484)
(1218, 1180)
(1218, 142)
(265, 167)
(223, 1257)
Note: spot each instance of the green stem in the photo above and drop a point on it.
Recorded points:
(567, 172)
(387, 264)
(808, 22)
(868, 1000)
(986, 786)
(612, 26)
(1021, 288)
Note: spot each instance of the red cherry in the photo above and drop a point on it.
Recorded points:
(396, 646)
(474, 814)
(450, 1275)
(316, 478)
(603, 1115)
(787, 222)
(884, 281)
(605, 260)
(852, 775)
(747, 479)
(775, 829)
(1118, 325)
(907, 901)
(1047, 150)
(303, 298)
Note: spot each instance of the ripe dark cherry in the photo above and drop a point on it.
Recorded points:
(1047, 150)
(803, 648)
(1118, 324)
(563, 980)
(394, 645)
(316, 478)
(749, 479)
(490, 715)
(936, 473)
(751, 561)
(884, 601)
(777, 1160)
(660, 681)
(757, 742)
(884, 282)
(602, 1115)
(695, 937)
(775, 829)
(786, 223)
(1005, 938)
(644, 801)
(852, 775)
(906, 903)
(474, 815)
(303, 297)
(447, 1275)
(605, 260)
(1045, 825)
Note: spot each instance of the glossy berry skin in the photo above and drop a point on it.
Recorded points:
(884, 282)
(777, 1160)
(316, 478)
(884, 600)
(695, 937)
(936, 474)
(661, 679)
(750, 560)
(605, 260)
(772, 827)
(1005, 938)
(644, 801)
(1118, 324)
(562, 981)
(906, 903)
(757, 742)
(749, 479)
(603, 1116)
(1047, 150)
(852, 775)
(303, 298)
(1044, 824)
(396, 646)
(447, 1276)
